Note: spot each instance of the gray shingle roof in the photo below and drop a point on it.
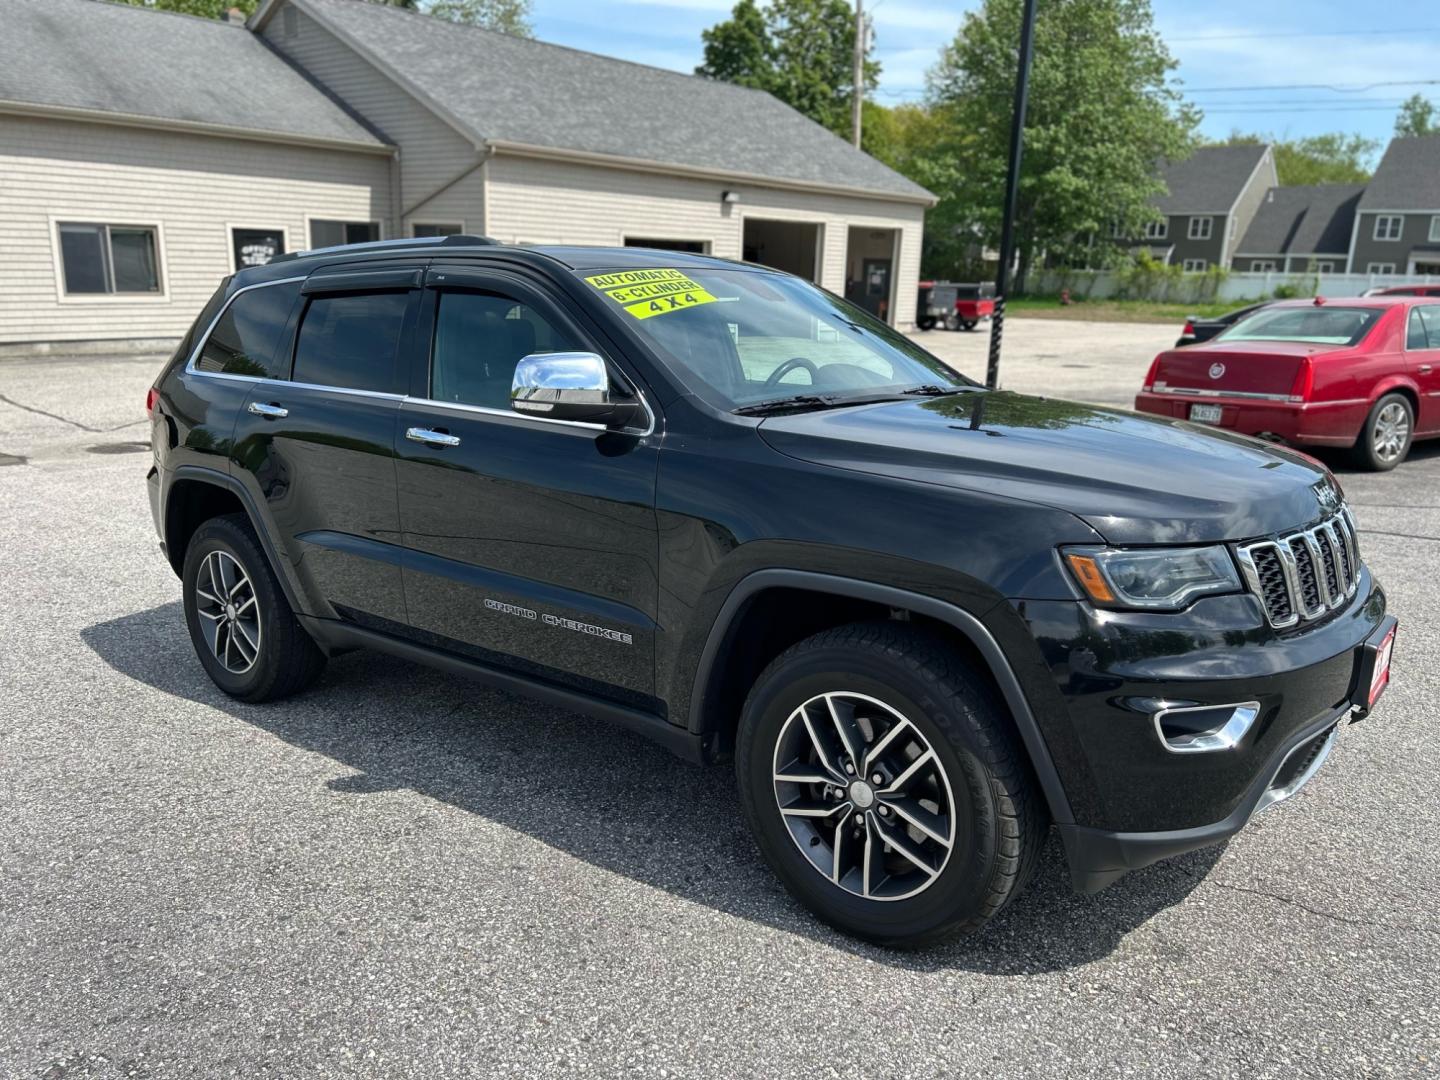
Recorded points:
(1315, 219)
(509, 89)
(85, 54)
(1408, 177)
(1209, 180)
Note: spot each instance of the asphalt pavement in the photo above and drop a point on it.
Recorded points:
(404, 874)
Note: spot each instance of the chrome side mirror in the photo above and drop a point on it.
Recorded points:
(568, 386)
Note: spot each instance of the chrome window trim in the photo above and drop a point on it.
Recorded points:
(191, 369)
(508, 414)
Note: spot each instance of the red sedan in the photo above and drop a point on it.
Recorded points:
(1359, 373)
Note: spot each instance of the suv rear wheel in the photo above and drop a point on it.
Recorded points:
(886, 787)
(242, 628)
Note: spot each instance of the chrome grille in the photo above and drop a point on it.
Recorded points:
(1304, 575)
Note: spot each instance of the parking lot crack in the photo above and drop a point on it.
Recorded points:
(1290, 901)
(1400, 535)
(65, 419)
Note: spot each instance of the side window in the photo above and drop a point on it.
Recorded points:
(1430, 318)
(247, 336)
(479, 338)
(1415, 331)
(351, 341)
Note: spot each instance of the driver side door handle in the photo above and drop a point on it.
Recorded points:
(430, 437)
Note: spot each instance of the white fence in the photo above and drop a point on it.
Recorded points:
(1199, 288)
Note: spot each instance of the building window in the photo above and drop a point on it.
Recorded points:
(255, 247)
(1325, 266)
(1201, 228)
(1262, 266)
(1435, 229)
(420, 229)
(1380, 268)
(325, 234)
(1193, 265)
(1388, 226)
(1157, 230)
(109, 258)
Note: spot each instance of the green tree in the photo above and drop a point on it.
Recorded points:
(1102, 112)
(926, 144)
(207, 9)
(1417, 117)
(801, 51)
(507, 16)
(1333, 158)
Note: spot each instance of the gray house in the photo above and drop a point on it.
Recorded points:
(145, 155)
(1303, 229)
(1212, 198)
(1397, 223)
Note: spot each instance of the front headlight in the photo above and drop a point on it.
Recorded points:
(1155, 579)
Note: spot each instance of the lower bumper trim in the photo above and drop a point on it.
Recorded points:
(1099, 857)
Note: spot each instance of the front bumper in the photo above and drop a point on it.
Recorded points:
(1135, 800)
(1098, 857)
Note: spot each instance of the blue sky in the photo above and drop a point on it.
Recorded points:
(1233, 43)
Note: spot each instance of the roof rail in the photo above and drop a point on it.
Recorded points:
(456, 240)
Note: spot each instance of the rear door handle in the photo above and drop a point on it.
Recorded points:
(269, 410)
(1424, 369)
(432, 438)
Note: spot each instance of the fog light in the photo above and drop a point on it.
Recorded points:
(1203, 729)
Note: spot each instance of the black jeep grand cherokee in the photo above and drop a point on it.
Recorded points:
(721, 507)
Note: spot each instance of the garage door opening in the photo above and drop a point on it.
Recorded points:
(694, 247)
(792, 246)
(870, 270)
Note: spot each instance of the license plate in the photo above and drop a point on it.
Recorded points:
(1374, 666)
(1205, 414)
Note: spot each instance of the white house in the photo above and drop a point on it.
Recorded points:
(145, 155)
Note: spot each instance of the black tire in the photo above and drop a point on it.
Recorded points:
(969, 324)
(1375, 446)
(952, 322)
(285, 659)
(998, 823)
(926, 322)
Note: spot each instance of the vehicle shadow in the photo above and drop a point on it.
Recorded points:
(608, 796)
(1341, 462)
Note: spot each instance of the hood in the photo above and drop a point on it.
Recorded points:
(1135, 479)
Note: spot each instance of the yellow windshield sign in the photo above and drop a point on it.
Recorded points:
(646, 293)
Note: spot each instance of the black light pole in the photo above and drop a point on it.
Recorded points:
(1012, 192)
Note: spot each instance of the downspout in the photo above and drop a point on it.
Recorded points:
(484, 153)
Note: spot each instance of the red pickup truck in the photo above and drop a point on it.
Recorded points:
(954, 306)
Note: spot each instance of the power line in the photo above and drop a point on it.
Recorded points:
(1342, 89)
(1310, 34)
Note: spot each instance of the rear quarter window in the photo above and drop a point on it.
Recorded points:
(247, 338)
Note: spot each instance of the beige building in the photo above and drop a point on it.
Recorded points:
(128, 190)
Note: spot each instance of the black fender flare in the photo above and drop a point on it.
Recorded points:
(216, 478)
(958, 618)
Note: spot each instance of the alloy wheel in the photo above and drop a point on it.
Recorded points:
(1391, 433)
(229, 612)
(864, 796)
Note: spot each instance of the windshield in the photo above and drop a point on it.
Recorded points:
(1316, 325)
(753, 337)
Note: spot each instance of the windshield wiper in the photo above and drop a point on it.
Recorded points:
(797, 401)
(932, 390)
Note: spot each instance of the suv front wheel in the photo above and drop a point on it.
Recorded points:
(242, 628)
(886, 787)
